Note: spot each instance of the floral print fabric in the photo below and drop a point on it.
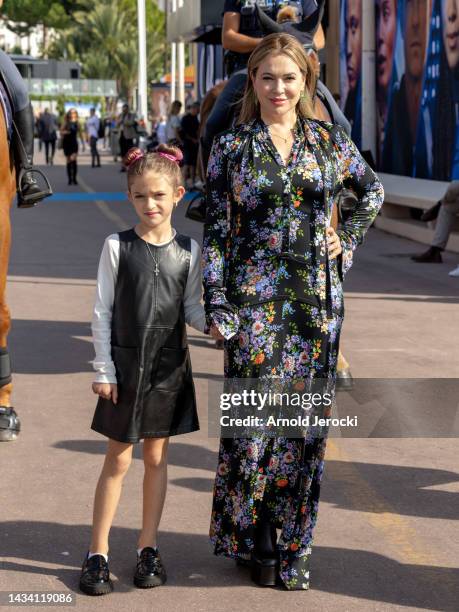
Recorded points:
(274, 294)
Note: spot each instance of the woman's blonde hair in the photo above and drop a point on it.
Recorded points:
(278, 44)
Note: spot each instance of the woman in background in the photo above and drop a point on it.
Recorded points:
(71, 132)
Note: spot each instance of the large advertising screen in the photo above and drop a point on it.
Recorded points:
(417, 58)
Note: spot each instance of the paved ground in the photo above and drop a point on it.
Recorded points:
(387, 532)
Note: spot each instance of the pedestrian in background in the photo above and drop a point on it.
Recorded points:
(190, 136)
(173, 125)
(114, 138)
(161, 130)
(92, 134)
(38, 131)
(126, 125)
(149, 286)
(446, 211)
(71, 132)
(48, 134)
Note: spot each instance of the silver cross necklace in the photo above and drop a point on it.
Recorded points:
(156, 270)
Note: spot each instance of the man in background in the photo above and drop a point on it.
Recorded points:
(92, 132)
(190, 132)
(48, 134)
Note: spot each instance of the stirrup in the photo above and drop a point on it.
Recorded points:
(27, 201)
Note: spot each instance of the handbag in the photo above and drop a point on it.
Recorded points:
(196, 210)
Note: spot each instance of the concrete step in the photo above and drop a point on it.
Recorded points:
(411, 192)
(414, 230)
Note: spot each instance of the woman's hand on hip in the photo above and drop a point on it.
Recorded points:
(216, 335)
(106, 391)
(333, 243)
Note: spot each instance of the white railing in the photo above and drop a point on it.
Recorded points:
(75, 87)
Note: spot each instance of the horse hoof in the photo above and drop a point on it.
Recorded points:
(7, 435)
(10, 424)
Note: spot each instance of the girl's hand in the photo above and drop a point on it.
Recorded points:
(333, 242)
(106, 391)
(216, 335)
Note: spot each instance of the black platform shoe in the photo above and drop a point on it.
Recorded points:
(265, 557)
(265, 570)
(150, 571)
(344, 379)
(95, 576)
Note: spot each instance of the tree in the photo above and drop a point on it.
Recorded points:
(103, 38)
(23, 16)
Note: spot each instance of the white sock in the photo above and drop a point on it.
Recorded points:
(91, 554)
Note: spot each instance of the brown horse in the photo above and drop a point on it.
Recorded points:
(7, 192)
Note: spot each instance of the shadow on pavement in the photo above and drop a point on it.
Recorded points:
(62, 347)
(199, 341)
(404, 488)
(50, 347)
(190, 563)
(44, 542)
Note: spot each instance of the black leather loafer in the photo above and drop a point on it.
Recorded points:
(150, 571)
(95, 576)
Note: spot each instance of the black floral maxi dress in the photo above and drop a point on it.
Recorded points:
(273, 292)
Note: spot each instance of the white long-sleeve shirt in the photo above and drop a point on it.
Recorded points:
(105, 294)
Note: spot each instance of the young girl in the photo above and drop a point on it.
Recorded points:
(148, 286)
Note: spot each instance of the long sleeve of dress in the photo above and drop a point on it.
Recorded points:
(194, 311)
(216, 244)
(102, 314)
(356, 174)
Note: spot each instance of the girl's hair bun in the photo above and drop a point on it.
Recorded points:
(133, 155)
(170, 150)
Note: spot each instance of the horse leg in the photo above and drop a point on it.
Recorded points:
(9, 423)
(5, 319)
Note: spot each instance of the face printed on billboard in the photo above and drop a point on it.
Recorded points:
(351, 64)
(354, 41)
(415, 37)
(386, 29)
(400, 77)
(450, 26)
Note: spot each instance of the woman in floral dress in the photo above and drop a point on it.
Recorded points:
(273, 271)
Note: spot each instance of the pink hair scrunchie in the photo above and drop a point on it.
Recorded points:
(133, 157)
(172, 158)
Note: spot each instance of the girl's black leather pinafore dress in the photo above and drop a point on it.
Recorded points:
(156, 396)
